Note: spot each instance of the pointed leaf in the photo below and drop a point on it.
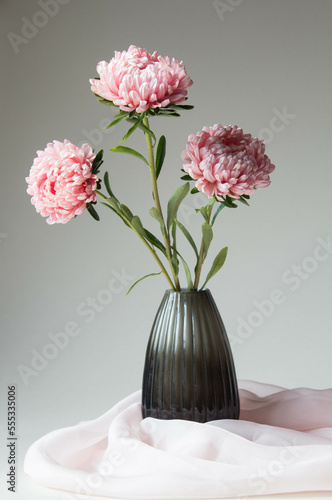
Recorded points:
(217, 212)
(115, 121)
(188, 236)
(146, 276)
(194, 190)
(186, 270)
(175, 264)
(217, 264)
(137, 224)
(97, 162)
(203, 211)
(117, 213)
(155, 242)
(156, 215)
(125, 210)
(243, 200)
(102, 100)
(129, 151)
(207, 237)
(147, 131)
(174, 203)
(92, 211)
(130, 131)
(160, 154)
(186, 178)
(107, 185)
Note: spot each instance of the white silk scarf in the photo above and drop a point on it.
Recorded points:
(281, 444)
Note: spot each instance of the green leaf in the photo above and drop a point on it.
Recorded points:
(182, 106)
(174, 203)
(92, 211)
(125, 210)
(155, 242)
(188, 236)
(186, 270)
(147, 131)
(156, 215)
(203, 211)
(117, 213)
(175, 264)
(160, 154)
(130, 131)
(217, 264)
(186, 178)
(194, 190)
(102, 100)
(229, 202)
(113, 202)
(174, 259)
(207, 237)
(146, 276)
(107, 185)
(115, 121)
(121, 113)
(97, 162)
(221, 206)
(243, 200)
(129, 151)
(137, 224)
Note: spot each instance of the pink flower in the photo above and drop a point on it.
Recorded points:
(225, 161)
(137, 80)
(61, 181)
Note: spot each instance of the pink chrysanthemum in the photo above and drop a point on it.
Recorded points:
(61, 181)
(138, 80)
(225, 161)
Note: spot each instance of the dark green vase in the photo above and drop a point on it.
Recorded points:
(189, 371)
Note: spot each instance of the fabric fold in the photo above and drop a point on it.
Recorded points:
(281, 444)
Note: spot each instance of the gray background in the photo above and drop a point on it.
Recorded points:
(250, 62)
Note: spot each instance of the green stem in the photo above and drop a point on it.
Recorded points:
(153, 252)
(200, 261)
(157, 202)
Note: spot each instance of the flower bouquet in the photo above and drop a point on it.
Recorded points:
(189, 370)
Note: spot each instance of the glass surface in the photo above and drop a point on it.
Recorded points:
(189, 370)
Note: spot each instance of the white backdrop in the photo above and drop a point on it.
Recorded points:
(264, 65)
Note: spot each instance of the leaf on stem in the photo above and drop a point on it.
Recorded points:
(107, 185)
(217, 265)
(188, 236)
(147, 131)
(116, 120)
(130, 131)
(125, 210)
(138, 226)
(156, 215)
(97, 162)
(92, 211)
(160, 154)
(207, 237)
(174, 203)
(102, 100)
(129, 151)
(186, 270)
(186, 178)
(146, 276)
(116, 212)
(155, 242)
(217, 212)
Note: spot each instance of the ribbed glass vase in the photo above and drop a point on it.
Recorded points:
(189, 371)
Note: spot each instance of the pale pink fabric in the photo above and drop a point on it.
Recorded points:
(283, 443)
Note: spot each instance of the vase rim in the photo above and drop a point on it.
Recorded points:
(186, 291)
